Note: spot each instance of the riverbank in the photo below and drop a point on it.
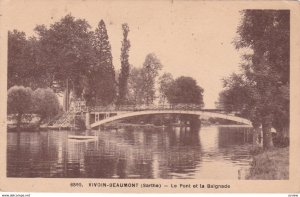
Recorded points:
(270, 165)
(23, 127)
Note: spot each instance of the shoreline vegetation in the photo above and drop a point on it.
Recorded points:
(270, 164)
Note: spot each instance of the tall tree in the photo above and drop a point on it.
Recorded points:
(65, 53)
(102, 74)
(165, 81)
(240, 96)
(22, 61)
(136, 87)
(142, 81)
(150, 70)
(125, 66)
(267, 34)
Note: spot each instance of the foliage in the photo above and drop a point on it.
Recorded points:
(239, 96)
(67, 56)
(141, 83)
(265, 71)
(149, 73)
(101, 74)
(165, 82)
(16, 49)
(45, 103)
(185, 90)
(65, 52)
(19, 102)
(125, 66)
(22, 65)
(267, 34)
(135, 86)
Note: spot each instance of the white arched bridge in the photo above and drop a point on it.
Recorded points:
(97, 116)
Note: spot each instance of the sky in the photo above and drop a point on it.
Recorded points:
(191, 38)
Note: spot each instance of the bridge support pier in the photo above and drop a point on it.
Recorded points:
(87, 120)
(195, 123)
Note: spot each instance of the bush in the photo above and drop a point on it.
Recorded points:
(19, 102)
(45, 103)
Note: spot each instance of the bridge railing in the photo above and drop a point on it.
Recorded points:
(113, 108)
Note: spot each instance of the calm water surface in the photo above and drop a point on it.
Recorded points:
(213, 152)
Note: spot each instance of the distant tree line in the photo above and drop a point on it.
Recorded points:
(261, 91)
(182, 90)
(69, 57)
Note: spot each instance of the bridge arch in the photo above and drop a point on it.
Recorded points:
(200, 113)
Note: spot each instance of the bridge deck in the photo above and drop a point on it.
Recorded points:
(190, 112)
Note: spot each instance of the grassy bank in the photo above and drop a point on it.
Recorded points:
(270, 165)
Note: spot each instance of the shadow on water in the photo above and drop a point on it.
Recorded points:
(229, 136)
(129, 153)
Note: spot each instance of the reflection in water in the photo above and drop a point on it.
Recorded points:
(212, 152)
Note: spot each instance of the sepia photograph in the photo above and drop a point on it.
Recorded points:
(140, 90)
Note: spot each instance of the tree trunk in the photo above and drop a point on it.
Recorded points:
(195, 123)
(255, 141)
(267, 135)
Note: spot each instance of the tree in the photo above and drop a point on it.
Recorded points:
(149, 74)
(125, 66)
(19, 102)
(65, 53)
(142, 81)
(184, 90)
(165, 81)
(22, 61)
(16, 47)
(102, 73)
(266, 33)
(240, 96)
(45, 103)
(136, 87)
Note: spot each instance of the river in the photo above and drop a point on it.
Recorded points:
(212, 152)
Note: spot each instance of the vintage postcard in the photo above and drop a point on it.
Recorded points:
(149, 96)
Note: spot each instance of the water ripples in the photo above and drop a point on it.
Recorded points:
(212, 152)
